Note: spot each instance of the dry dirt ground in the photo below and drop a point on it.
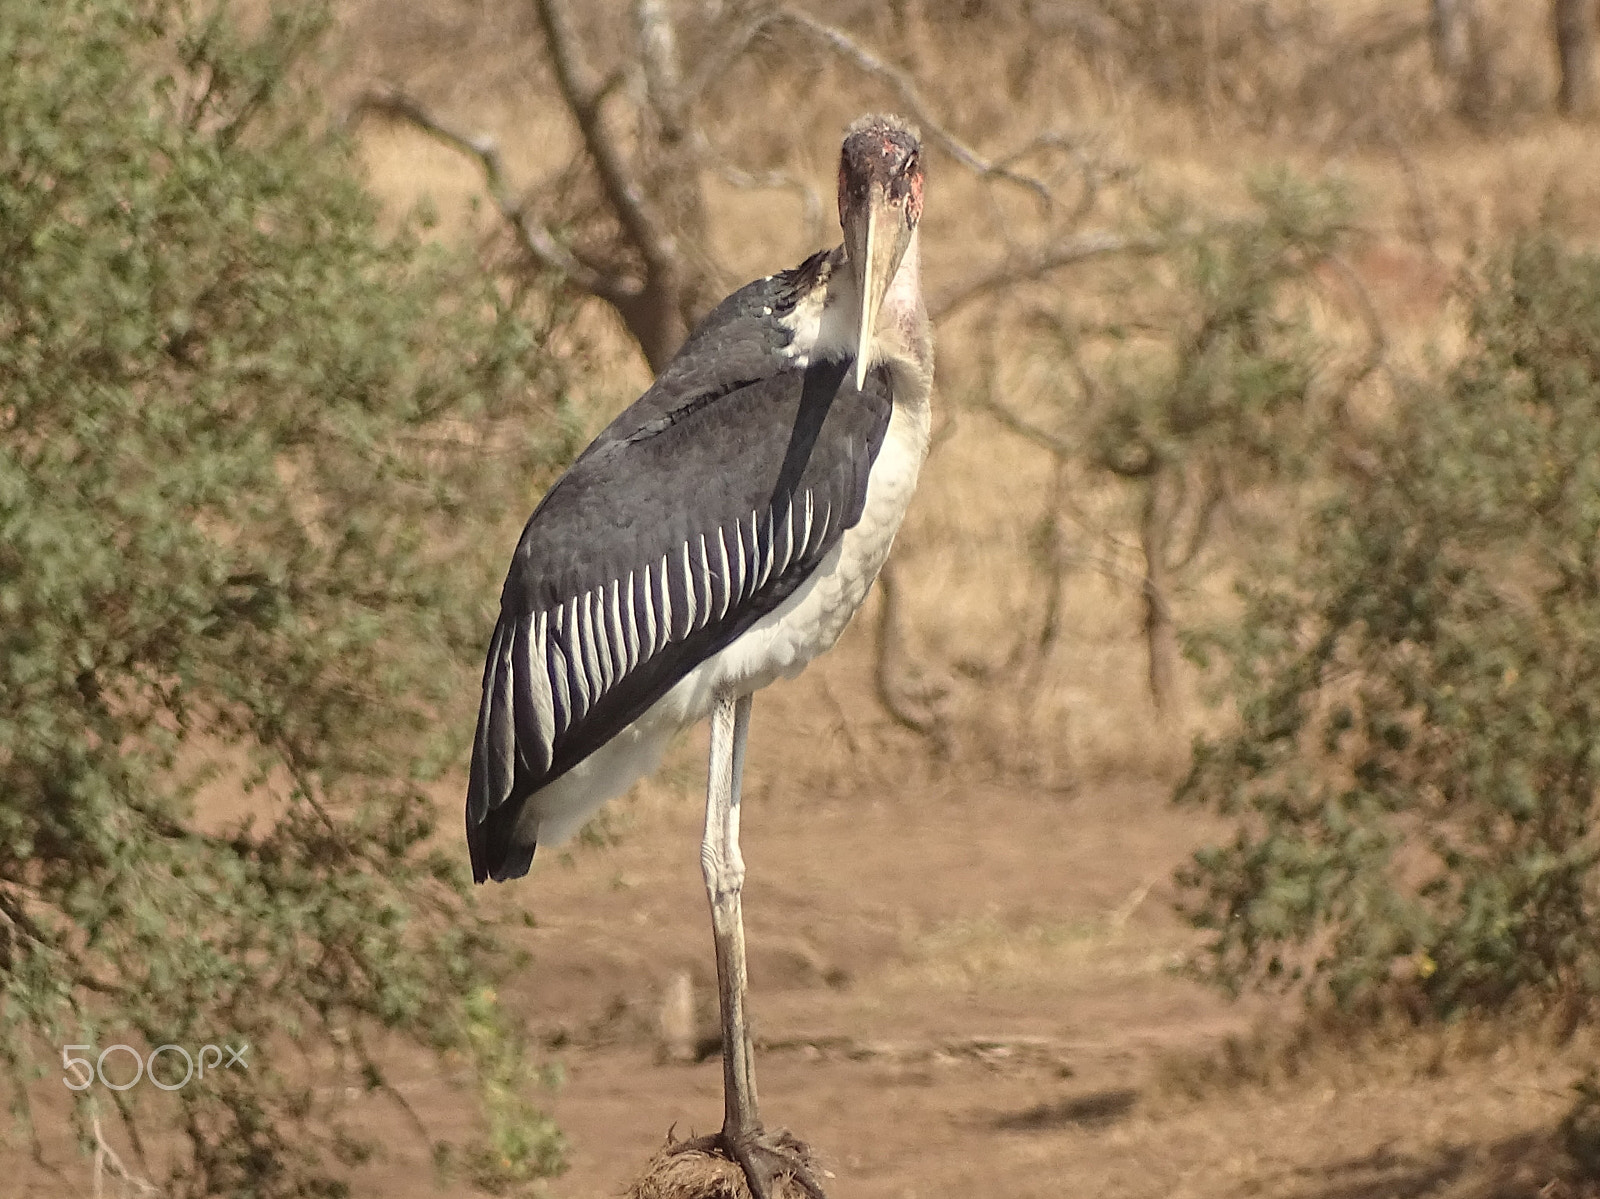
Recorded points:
(966, 988)
(959, 989)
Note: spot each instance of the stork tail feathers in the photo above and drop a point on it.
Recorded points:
(491, 822)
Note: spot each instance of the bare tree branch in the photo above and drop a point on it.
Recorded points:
(658, 50)
(904, 85)
(1037, 264)
(842, 723)
(107, 1162)
(584, 93)
(906, 88)
(540, 244)
(988, 399)
(1424, 213)
(661, 218)
(1055, 566)
(886, 652)
(1024, 428)
(811, 206)
(1377, 337)
(1069, 338)
(715, 64)
(1213, 496)
(376, 1077)
(1160, 629)
(1094, 171)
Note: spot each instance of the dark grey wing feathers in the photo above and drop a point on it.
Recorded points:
(494, 745)
(624, 580)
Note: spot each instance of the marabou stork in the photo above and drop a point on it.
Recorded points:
(717, 535)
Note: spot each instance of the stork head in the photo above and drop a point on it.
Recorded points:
(880, 203)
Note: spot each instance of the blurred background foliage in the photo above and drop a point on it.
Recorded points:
(242, 435)
(1415, 764)
(272, 406)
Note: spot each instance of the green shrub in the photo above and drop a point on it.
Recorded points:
(242, 447)
(1219, 374)
(1418, 747)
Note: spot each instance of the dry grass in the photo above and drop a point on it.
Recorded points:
(1337, 1051)
(1430, 191)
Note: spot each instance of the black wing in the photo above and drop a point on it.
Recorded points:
(697, 512)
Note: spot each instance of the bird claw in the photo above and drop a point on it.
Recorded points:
(765, 1157)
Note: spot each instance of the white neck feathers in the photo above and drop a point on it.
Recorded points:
(824, 324)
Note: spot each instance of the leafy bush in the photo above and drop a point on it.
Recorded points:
(234, 551)
(1216, 376)
(1580, 1127)
(1417, 756)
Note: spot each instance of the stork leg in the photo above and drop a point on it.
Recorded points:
(722, 865)
(763, 1156)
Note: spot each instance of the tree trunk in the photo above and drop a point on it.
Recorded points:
(1450, 36)
(656, 321)
(1160, 634)
(1463, 56)
(1573, 23)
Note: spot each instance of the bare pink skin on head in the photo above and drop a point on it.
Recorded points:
(880, 204)
(886, 151)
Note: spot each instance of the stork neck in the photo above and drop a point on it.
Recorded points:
(823, 320)
(905, 290)
(904, 334)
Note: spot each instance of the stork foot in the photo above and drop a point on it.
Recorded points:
(765, 1157)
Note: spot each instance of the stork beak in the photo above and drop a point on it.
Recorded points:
(875, 243)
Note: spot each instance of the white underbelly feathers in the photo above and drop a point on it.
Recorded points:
(779, 645)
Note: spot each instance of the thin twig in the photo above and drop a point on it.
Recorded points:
(1025, 428)
(841, 720)
(533, 236)
(583, 91)
(377, 1078)
(1051, 623)
(906, 88)
(715, 64)
(904, 85)
(1119, 916)
(1377, 337)
(1214, 495)
(1422, 211)
(811, 206)
(887, 649)
(658, 51)
(106, 1159)
(1112, 570)
(1068, 338)
(1031, 266)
